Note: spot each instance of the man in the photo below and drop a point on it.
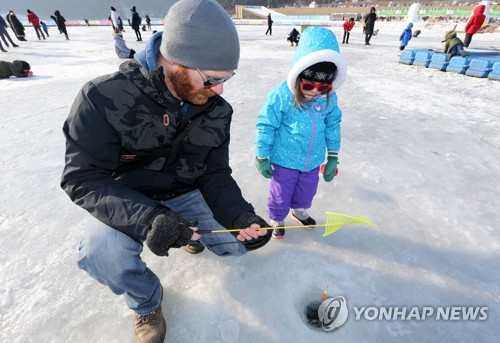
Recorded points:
(61, 23)
(35, 21)
(136, 23)
(147, 155)
(269, 25)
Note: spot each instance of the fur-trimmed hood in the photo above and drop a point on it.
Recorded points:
(317, 44)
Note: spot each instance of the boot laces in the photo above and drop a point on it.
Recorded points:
(143, 319)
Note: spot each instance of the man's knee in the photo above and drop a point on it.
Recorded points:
(103, 249)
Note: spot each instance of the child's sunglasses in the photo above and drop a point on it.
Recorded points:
(213, 81)
(321, 87)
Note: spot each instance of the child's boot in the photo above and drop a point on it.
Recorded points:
(300, 215)
(278, 231)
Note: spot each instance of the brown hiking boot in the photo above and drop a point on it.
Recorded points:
(194, 248)
(150, 328)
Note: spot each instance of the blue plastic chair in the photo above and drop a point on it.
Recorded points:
(495, 72)
(423, 58)
(458, 64)
(407, 57)
(439, 61)
(479, 68)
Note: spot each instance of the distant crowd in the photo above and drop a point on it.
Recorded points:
(40, 27)
(20, 68)
(454, 45)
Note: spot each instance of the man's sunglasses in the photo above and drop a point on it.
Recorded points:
(321, 87)
(213, 81)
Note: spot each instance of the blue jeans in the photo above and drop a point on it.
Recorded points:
(456, 49)
(114, 259)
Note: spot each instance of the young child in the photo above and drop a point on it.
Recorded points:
(45, 28)
(298, 124)
(405, 37)
(348, 25)
(453, 45)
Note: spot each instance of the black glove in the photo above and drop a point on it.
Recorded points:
(169, 230)
(246, 219)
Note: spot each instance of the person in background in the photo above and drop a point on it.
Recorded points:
(54, 19)
(61, 23)
(269, 25)
(44, 28)
(298, 125)
(147, 155)
(370, 25)
(35, 21)
(116, 20)
(293, 37)
(17, 68)
(405, 36)
(4, 34)
(348, 25)
(121, 48)
(474, 24)
(16, 26)
(136, 24)
(148, 22)
(453, 45)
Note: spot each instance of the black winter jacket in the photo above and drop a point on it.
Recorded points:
(136, 21)
(122, 117)
(370, 22)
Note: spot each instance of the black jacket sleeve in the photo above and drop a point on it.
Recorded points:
(92, 154)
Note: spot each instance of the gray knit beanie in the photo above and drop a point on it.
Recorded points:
(200, 34)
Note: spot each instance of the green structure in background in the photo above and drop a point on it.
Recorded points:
(434, 12)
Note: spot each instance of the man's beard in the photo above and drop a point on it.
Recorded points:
(185, 90)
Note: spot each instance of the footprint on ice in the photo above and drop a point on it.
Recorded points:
(229, 331)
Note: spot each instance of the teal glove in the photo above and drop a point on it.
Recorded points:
(331, 166)
(264, 167)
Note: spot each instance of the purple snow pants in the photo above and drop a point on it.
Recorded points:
(291, 188)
